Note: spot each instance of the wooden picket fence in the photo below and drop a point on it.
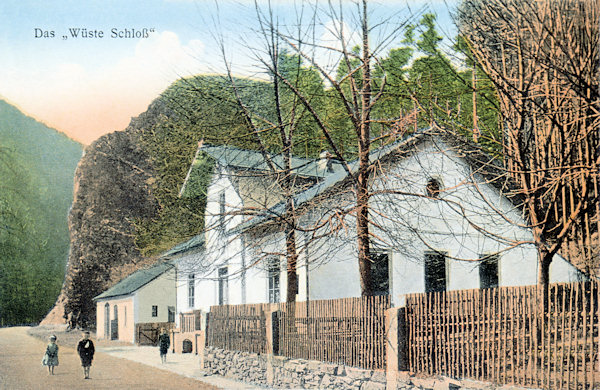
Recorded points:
(508, 335)
(238, 327)
(349, 331)
(346, 331)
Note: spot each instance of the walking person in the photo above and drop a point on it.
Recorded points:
(86, 350)
(163, 344)
(51, 356)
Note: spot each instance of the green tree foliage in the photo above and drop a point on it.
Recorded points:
(29, 281)
(443, 90)
(308, 140)
(201, 108)
(36, 190)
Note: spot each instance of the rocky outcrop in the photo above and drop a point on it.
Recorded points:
(112, 190)
(127, 185)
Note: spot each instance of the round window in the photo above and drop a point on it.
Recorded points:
(433, 188)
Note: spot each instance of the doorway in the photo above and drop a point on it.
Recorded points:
(114, 325)
(106, 321)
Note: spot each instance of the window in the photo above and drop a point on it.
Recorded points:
(222, 210)
(433, 188)
(125, 316)
(154, 311)
(191, 289)
(488, 271)
(171, 315)
(223, 286)
(435, 271)
(273, 272)
(380, 273)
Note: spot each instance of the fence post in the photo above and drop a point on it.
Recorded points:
(275, 332)
(200, 345)
(391, 347)
(396, 348)
(272, 334)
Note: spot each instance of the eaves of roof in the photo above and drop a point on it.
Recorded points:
(332, 180)
(135, 281)
(194, 243)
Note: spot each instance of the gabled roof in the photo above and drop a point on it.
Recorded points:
(483, 164)
(136, 280)
(196, 242)
(249, 159)
(332, 180)
(232, 157)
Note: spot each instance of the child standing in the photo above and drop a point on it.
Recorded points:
(51, 356)
(163, 343)
(85, 348)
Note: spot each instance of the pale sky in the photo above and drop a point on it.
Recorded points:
(87, 87)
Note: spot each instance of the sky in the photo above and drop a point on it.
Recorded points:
(89, 85)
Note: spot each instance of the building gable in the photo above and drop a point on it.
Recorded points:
(135, 281)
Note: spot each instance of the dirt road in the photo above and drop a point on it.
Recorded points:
(21, 368)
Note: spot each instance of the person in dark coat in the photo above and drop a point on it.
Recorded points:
(163, 344)
(86, 350)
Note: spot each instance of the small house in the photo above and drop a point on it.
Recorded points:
(134, 309)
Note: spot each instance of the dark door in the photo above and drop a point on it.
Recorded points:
(106, 321)
(114, 325)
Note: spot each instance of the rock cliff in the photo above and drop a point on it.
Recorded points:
(112, 190)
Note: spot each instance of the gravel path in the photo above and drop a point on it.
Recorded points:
(21, 368)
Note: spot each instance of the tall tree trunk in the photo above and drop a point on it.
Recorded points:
(362, 186)
(292, 257)
(544, 260)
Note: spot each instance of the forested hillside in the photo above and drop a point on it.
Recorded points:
(37, 166)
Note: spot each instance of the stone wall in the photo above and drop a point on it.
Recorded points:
(283, 372)
(298, 373)
(242, 366)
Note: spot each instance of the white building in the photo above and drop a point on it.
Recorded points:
(145, 297)
(440, 221)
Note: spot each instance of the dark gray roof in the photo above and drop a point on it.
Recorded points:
(196, 242)
(486, 165)
(253, 160)
(136, 280)
(249, 159)
(330, 181)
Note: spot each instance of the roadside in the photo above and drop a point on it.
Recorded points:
(187, 365)
(21, 368)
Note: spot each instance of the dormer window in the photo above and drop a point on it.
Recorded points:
(433, 188)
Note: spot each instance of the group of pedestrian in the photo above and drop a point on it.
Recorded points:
(85, 349)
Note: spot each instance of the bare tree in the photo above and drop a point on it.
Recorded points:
(543, 58)
(354, 91)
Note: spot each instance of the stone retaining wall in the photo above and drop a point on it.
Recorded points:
(298, 373)
(283, 372)
(242, 366)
